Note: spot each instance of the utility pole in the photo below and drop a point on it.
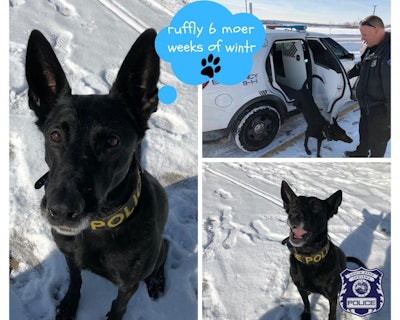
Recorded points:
(374, 9)
(245, 1)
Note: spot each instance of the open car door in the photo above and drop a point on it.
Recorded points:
(330, 85)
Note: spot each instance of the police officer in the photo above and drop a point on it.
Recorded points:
(373, 89)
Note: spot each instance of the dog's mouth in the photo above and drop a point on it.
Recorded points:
(71, 230)
(298, 233)
(298, 236)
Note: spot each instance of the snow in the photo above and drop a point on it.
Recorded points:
(335, 31)
(245, 266)
(91, 38)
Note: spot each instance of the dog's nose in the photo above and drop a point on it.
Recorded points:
(56, 214)
(64, 206)
(295, 218)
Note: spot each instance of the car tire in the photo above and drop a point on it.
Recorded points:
(257, 128)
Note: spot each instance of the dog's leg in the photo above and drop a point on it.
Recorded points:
(156, 281)
(155, 285)
(119, 305)
(67, 308)
(319, 143)
(332, 308)
(306, 315)
(306, 143)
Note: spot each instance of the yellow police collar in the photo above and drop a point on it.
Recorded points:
(123, 213)
(315, 258)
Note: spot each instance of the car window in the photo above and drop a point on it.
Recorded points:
(322, 56)
(277, 52)
(337, 49)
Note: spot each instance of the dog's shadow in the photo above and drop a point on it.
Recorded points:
(360, 244)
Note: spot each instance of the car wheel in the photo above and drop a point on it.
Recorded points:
(257, 128)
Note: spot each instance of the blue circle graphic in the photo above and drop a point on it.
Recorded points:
(167, 94)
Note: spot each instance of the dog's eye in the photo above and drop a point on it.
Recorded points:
(56, 136)
(315, 206)
(112, 141)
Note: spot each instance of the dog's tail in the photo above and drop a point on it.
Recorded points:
(356, 261)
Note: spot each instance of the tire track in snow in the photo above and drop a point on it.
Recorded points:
(158, 6)
(256, 191)
(122, 13)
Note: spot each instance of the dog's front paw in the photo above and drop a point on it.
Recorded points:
(306, 315)
(156, 281)
(156, 285)
(63, 313)
(67, 308)
(115, 313)
(112, 316)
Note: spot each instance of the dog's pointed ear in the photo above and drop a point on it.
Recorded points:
(46, 79)
(137, 79)
(334, 202)
(287, 194)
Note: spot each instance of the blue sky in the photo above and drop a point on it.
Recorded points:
(319, 11)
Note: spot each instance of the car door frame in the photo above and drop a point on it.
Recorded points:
(340, 100)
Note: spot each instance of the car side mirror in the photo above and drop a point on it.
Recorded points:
(349, 56)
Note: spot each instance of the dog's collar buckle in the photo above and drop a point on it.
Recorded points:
(315, 258)
(123, 213)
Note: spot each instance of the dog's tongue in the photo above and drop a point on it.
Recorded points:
(298, 233)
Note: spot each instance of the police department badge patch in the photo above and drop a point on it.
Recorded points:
(361, 292)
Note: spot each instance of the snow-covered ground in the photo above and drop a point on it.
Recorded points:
(245, 266)
(91, 38)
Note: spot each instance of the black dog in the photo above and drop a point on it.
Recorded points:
(315, 262)
(317, 126)
(107, 214)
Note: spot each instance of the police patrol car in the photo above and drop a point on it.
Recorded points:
(253, 110)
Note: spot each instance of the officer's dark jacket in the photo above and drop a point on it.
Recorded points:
(373, 89)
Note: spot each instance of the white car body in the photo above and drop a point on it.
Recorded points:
(280, 68)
